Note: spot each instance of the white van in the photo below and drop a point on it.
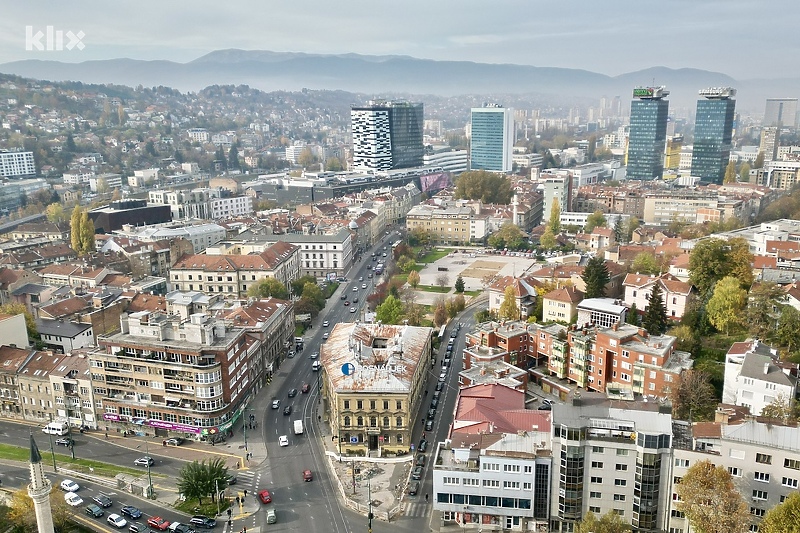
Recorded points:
(271, 517)
(56, 428)
(316, 366)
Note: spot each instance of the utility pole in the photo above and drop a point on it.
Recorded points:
(370, 516)
(216, 489)
(52, 451)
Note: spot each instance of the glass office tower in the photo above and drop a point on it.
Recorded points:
(387, 135)
(648, 133)
(713, 132)
(492, 138)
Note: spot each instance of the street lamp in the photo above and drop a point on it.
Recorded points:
(149, 476)
(244, 425)
(52, 451)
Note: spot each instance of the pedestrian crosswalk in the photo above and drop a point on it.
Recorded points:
(244, 477)
(417, 509)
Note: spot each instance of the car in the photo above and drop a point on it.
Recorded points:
(369, 275)
(428, 425)
(369, 267)
(276, 403)
(180, 528)
(361, 278)
(138, 527)
(547, 402)
(442, 377)
(103, 501)
(355, 299)
(287, 410)
(413, 488)
(203, 521)
(65, 441)
(314, 355)
(144, 461)
(437, 394)
(307, 475)
(431, 414)
(271, 516)
(343, 297)
(69, 486)
(174, 441)
(420, 461)
(434, 403)
(325, 335)
(290, 355)
(374, 258)
(264, 496)
(283, 440)
(355, 289)
(292, 393)
(453, 335)
(384, 254)
(363, 285)
(325, 324)
(231, 479)
(73, 499)
(305, 388)
(116, 520)
(131, 511)
(416, 474)
(446, 361)
(352, 309)
(545, 407)
(93, 510)
(347, 304)
(439, 386)
(423, 445)
(158, 523)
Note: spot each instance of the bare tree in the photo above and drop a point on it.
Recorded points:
(693, 395)
(443, 280)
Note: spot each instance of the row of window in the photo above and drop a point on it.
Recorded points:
(761, 458)
(373, 421)
(373, 404)
(484, 501)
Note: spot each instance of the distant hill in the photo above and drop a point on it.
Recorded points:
(271, 71)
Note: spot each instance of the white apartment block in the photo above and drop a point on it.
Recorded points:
(675, 293)
(294, 151)
(17, 164)
(110, 181)
(663, 209)
(236, 206)
(556, 188)
(78, 176)
(202, 203)
(754, 376)
(200, 235)
(200, 135)
(372, 146)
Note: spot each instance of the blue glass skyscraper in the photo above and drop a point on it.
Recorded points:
(648, 133)
(491, 139)
(713, 133)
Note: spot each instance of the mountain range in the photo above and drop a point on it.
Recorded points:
(271, 71)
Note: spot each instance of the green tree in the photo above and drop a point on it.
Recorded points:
(687, 339)
(713, 259)
(744, 172)
(334, 164)
(150, 149)
(595, 220)
(233, 158)
(196, 480)
(459, 302)
(725, 306)
(55, 213)
(406, 264)
(87, 233)
(459, 286)
(69, 146)
(610, 522)
(419, 237)
(596, 277)
(75, 229)
(451, 308)
(591, 148)
(299, 284)
(632, 316)
(220, 158)
(708, 497)
(763, 305)
(489, 187)
(633, 225)
(619, 231)
(268, 287)
(313, 293)
(784, 517)
(548, 239)
(693, 395)
(413, 278)
(730, 173)
(655, 316)
(508, 236)
(390, 311)
(554, 222)
(759, 162)
(788, 331)
(509, 309)
(645, 263)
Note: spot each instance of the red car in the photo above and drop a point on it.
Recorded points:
(265, 496)
(158, 523)
(307, 475)
(306, 388)
(347, 304)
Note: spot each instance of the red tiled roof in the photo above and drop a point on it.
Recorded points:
(565, 294)
(497, 409)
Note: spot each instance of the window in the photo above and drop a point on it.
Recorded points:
(596, 480)
(359, 404)
(794, 464)
(372, 404)
(526, 486)
(386, 421)
(682, 463)
(763, 459)
(760, 495)
(619, 512)
(346, 421)
(491, 466)
(620, 482)
(386, 404)
(399, 422)
(621, 467)
(622, 451)
(398, 405)
(511, 485)
(511, 468)
(761, 476)
(470, 482)
(595, 510)
(450, 480)
(735, 471)
(755, 511)
(594, 494)
(674, 513)
(346, 404)
(597, 464)
(597, 449)
(619, 497)
(491, 483)
(789, 482)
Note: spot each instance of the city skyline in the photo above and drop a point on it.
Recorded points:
(678, 35)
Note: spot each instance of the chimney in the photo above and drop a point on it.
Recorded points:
(615, 327)
(766, 368)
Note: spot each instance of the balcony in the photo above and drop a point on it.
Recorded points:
(116, 380)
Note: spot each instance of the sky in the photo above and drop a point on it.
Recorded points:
(742, 38)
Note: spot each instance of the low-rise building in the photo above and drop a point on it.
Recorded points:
(64, 336)
(755, 376)
(561, 305)
(675, 293)
(524, 294)
(447, 225)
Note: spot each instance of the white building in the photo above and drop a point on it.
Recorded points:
(372, 145)
(202, 203)
(65, 336)
(294, 151)
(200, 235)
(448, 159)
(17, 164)
(555, 188)
(200, 135)
(110, 181)
(754, 376)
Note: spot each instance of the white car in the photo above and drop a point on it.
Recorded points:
(325, 335)
(355, 289)
(116, 520)
(325, 324)
(69, 486)
(364, 286)
(73, 499)
(352, 309)
(283, 440)
(314, 355)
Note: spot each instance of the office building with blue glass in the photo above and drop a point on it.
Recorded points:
(387, 135)
(713, 133)
(648, 133)
(492, 138)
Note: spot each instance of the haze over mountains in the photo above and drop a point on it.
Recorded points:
(271, 71)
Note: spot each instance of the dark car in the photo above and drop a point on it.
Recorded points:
(436, 394)
(431, 414)
(183, 528)
(423, 445)
(439, 386)
(232, 479)
(138, 527)
(292, 393)
(420, 460)
(287, 410)
(454, 335)
(416, 474)
(130, 511)
(175, 441)
(95, 511)
(306, 387)
(355, 299)
(434, 403)
(203, 522)
(343, 297)
(545, 407)
(413, 488)
(103, 501)
(429, 425)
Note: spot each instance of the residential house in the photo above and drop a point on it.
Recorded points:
(64, 336)
(561, 305)
(675, 293)
(13, 331)
(524, 294)
(755, 376)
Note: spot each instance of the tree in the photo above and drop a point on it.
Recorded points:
(306, 158)
(116, 195)
(414, 313)
(459, 302)
(489, 187)
(693, 395)
(744, 172)
(334, 164)
(55, 213)
(645, 263)
(596, 277)
(725, 306)
(390, 311)
(782, 408)
(16, 308)
(413, 278)
(69, 146)
(440, 315)
(419, 237)
(313, 293)
(730, 173)
(450, 307)
(633, 224)
(509, 309)
(406, 264)
(199, 479)
(655, 316)
(595, 220)
(784, 517)
(22, 515)
(268, 287)
(619, 231)
(102, 186)
(713, 259)
(687, 339)
(610, 522)
(632, 316)
(299, 284)
(708, 497)
(233, 158)
(75, 229)
(554, 222)
(443, 280)
(761, 315)
(87, 234)
(508, 236)
(788, 331)
(459, 286)
(759, 162)
(548, 239)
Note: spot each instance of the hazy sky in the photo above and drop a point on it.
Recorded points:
(742, 38)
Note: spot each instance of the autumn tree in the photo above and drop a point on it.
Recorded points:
(763, 304)
(693, 395)
(744, 172)
(645, 263)
(509, 309)
(406, 264)
(548, 240)
(759, 162)
(595, 220)
(788, 330)
(730, 173)
(413, 278)
(390, 311)
(22, 515)
(508, 236)
(713, 259)
(782, 408)
(655, 315)
(710, 501)
(55, 213)
(554, 222)
(596, 277)
(87, 234)
(440, 314)
(300, 283)
(489, 187)
(334, 164)
(725, 306)
(269, 287)
(459, 302)
(784, 517)
(459, 286)
(610, 522)
(75, 229)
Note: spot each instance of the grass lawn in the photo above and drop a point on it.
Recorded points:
(23, 454)
(472, 293)
(433, 256)
(208, 508)
(401, 277)
(418, 267)
(434, 288)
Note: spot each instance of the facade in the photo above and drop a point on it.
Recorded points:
(200, 235)
(525, 294)
(561, 305)
(781, 112)
(375, 404)
(134, 212)
(17, 164)
(13, 331)
(755, 376)
(64, 336)
(602, 312)
(557, 188)
(202, 203)
(387, 135)
(648, 133)
(491, 142)
(611, 456)
(781, 175)
(713, 133)
(675, 293)
(449, 225)
(172, 376)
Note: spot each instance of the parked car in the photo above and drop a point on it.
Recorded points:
(138, 527)
(116, 520)
(434, 403)
(175, 441)
(65, 441)
(158, 523)
(420, 461)
(144, 461)
(431, 414)
(94, 510)
(413, 488)
(545, 407)
(416, 474)
(314, 355)
(203, 522)
(423, 445)
(325, 324)
(131, 511)
(325, 335)
(429, 425)
(264, 496)
(103, 501)
(439, 386)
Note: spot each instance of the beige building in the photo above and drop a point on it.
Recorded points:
(13, 331)
(561, 305)
(452, 225)
(373, 379)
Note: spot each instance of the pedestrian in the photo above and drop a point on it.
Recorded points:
(212, 442)
(426, 496)
(244, 530)
(106, 435)
(238, 465)
(245, 493)
(238, 500)
(229, 513)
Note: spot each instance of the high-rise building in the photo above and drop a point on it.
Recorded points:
(713, 133)
(17, 164)
(770, 141)
(648, 133)
(387, 135)
(781, 112)
(492, 138)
